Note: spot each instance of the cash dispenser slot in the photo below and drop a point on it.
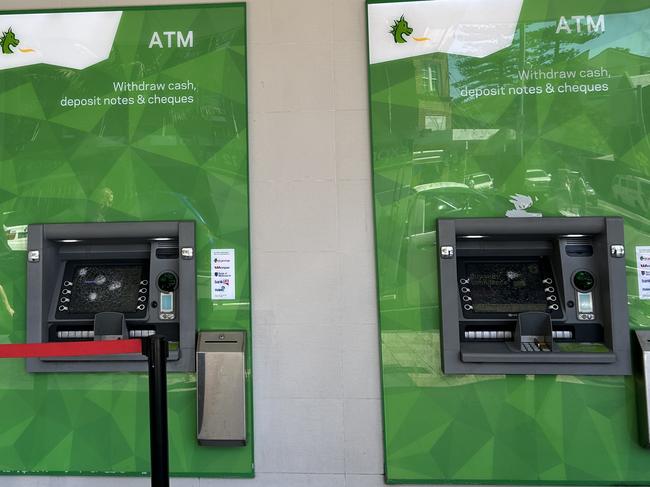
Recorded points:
(533, 295)
(95, 281)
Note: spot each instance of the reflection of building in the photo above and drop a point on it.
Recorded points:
(430, 154)
(432, 89)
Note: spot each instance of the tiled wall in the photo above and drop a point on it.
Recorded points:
(315, 339)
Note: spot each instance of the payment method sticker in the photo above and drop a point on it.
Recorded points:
(643, 271)
(222, 276)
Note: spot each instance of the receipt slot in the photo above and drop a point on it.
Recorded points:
(98, 281)
(533, 296)
(221, 388)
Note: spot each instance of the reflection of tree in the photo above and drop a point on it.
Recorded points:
(535, 46)
(5, 302)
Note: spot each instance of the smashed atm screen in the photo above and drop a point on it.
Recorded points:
(510, 299)
(506, 287)
(92, 288)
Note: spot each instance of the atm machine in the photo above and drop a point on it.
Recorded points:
(94, 281)
(533, 296)
(120, 280)
(540, 296)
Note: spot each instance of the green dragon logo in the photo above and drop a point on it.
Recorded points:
(399, 29)
(7, 41)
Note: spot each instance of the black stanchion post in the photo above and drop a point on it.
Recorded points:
(156, 349)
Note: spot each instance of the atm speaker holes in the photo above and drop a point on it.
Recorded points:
(144, 282)
(141, 307)
(63, 308)
(552, 297)
(142, 299)
(67, 283)
(464, 281)
(467, 298)
(464, 289)
(554, 307)
(65, 300)
(468, 307)
(548, 280)
(66, 291)
(143, 290)
(549, 289)
(141, 333)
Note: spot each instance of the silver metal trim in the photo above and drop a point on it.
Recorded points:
(446, 252)
(617, 251)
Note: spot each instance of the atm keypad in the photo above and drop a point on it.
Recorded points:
(562, 334)
(535, 346)
(488, 335)
(75, 334)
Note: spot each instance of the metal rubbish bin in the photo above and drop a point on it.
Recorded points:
(641, 348)
(221, 388)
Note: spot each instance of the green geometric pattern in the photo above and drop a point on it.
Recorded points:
(591, 155)
(125, 163)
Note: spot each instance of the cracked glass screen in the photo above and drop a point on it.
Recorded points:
(506, 287)
(97, 288)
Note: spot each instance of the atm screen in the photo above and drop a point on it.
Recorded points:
(92, 288)
(506, 287)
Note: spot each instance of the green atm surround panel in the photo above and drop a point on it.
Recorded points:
(441, 149)
(123, 163)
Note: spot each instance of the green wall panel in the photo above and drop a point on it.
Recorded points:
(437, 152)
(123, 162)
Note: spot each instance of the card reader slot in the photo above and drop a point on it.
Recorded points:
(167, 253)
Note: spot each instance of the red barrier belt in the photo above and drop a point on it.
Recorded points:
(71, 349)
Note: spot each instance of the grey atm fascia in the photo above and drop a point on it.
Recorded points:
(524, 237)
(51, 246)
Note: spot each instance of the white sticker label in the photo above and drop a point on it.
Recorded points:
(475, 28)
(74, 40)
(222, 275)
(643, 271)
